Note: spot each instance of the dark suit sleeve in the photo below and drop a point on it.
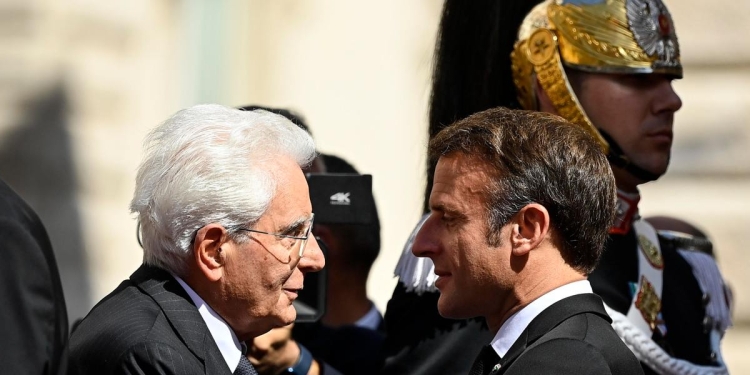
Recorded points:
(561, 356)
(27, 325)
(156, 358)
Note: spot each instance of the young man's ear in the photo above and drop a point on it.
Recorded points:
(530, 227)
(208, 252)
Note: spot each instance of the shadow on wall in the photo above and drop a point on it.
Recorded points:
(36, 161)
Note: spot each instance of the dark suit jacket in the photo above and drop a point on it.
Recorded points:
(349, 349)
(33, 318)
(148, 325)
(573, 336)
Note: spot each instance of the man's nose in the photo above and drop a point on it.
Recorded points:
(313, 259)
(425, 244)
(668, 100)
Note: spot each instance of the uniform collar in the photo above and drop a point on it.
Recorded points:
(627, 211)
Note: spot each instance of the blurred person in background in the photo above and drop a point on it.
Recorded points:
(350, 334)
(608, 67)
(225, 218)
(349, 337)
(33, 318)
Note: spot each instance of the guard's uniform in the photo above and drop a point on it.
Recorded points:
(667, 299)
(665, 294)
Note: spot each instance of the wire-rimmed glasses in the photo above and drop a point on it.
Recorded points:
(288, 241)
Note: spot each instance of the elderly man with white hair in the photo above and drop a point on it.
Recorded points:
(225, 220)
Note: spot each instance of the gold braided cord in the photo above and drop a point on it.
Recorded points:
(523, 76)
(555, 83)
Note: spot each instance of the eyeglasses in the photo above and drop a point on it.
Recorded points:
(289, 242)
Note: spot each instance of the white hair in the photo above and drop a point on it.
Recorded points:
(209, 164)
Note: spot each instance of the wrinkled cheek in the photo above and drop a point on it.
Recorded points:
(272, 296)
(284, 310)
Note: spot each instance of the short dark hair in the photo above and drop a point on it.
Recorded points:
(541, 158)
(362, 241)
(472, 67)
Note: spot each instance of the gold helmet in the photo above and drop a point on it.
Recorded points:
(605, 36)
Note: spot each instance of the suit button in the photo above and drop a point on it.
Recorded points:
(708, 324)
(706, 299)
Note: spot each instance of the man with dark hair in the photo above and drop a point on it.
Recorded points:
(349, 336)
(606, 66)
(510, 241)
(352, 250)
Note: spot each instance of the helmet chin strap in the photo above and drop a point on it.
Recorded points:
(618, 158)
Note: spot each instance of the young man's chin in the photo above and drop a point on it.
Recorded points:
(451, 310)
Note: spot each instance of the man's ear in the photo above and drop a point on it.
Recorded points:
(207, 250)
(543, 101)
(530, 227)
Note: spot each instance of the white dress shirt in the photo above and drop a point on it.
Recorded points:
(225, 339)
(517, 323)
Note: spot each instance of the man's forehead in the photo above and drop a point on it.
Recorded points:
(458, 177)
(291, 200)
(462, 167)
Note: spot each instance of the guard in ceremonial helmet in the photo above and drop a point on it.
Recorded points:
(607, 66)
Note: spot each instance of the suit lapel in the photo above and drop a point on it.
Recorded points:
(549, 319)
(181, 314)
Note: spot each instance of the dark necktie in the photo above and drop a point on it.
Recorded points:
(244, 367)
(485, 362)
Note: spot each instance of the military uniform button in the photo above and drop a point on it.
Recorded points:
(708, 324)
(706, 299)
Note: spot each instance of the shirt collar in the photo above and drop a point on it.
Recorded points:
(371, 320)
(225, 339)
(512, 328)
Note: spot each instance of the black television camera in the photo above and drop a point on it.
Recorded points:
(336, 199)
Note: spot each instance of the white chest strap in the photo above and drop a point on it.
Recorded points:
(651, 354)
(646, 303)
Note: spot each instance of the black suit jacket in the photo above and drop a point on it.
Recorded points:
(349, 349)
(33, 318)
(148, 325)
(573, 336)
